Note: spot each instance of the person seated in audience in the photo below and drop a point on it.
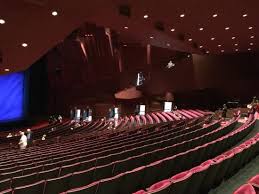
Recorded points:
(60, 118)
(9, 135)
(23, 141)
(77, 124)
(29, 136)
(43, 137)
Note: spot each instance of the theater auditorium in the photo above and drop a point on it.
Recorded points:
(129, 97)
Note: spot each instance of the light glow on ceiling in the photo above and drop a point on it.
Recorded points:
(251, 43)
(172, 30)
(126, 27)
(145, 16)
(236, 50)
(233, 37)
(245, 15)
(214, 15)
(212, 38)
(249, 49)
(182, 15)
(227, 28)
(222, 51)
(201, 29)
(2, 21)
(6, 69)
(219, 45)
(54, 13)
(200, 46)
(250, 28)
(252, 36)
(190, 39)
(152, 37)
(236, 44)
(24, 44)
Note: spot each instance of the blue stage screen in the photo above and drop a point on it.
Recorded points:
(12, 97)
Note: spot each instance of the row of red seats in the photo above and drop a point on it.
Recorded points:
(202, 178)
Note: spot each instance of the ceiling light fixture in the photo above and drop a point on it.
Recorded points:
(214, 15)
(190, 39)
(252, 36)
(249, 49)
(201, 29)
(152, 37)
(227, 28)
(212, 38)
(236, 50)
(245, 15)
(24, 44)
(250, 28)
(145, 16)
(6, 70)
(201, 46)
(172, 30)
(233, 37)
(251, 43)
(182, 15)
(207, 52)
(168, 44)
(219, 45)
(236, 44)
(2, 21)
(222, 51)
(126, 27)
(54, 13)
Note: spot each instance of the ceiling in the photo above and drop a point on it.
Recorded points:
(234, 25)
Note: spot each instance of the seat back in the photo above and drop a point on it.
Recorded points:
(30, 189)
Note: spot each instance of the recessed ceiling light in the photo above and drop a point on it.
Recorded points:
(24, 44)
(236, 50)
(54, 13)
(182, 15)
(188, 55)
(251, 43)
(124, 45)
(6, 70)
(2, 21)
(252, 36)
(245, 15)
(126, 27)
(222, 51)
(207, 52)
(250, 28)
(190, 39)
(227, 28)
(201, 46)
(219, 45)
(145, 16)
(201, 29)
(236, 44)
(249, 49)
(152, 37)
(233, 37)
(168, 44)
(214, 15)
(172, 30)
(212, 38)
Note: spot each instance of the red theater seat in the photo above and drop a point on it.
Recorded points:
(254, 181)
(245, 189)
